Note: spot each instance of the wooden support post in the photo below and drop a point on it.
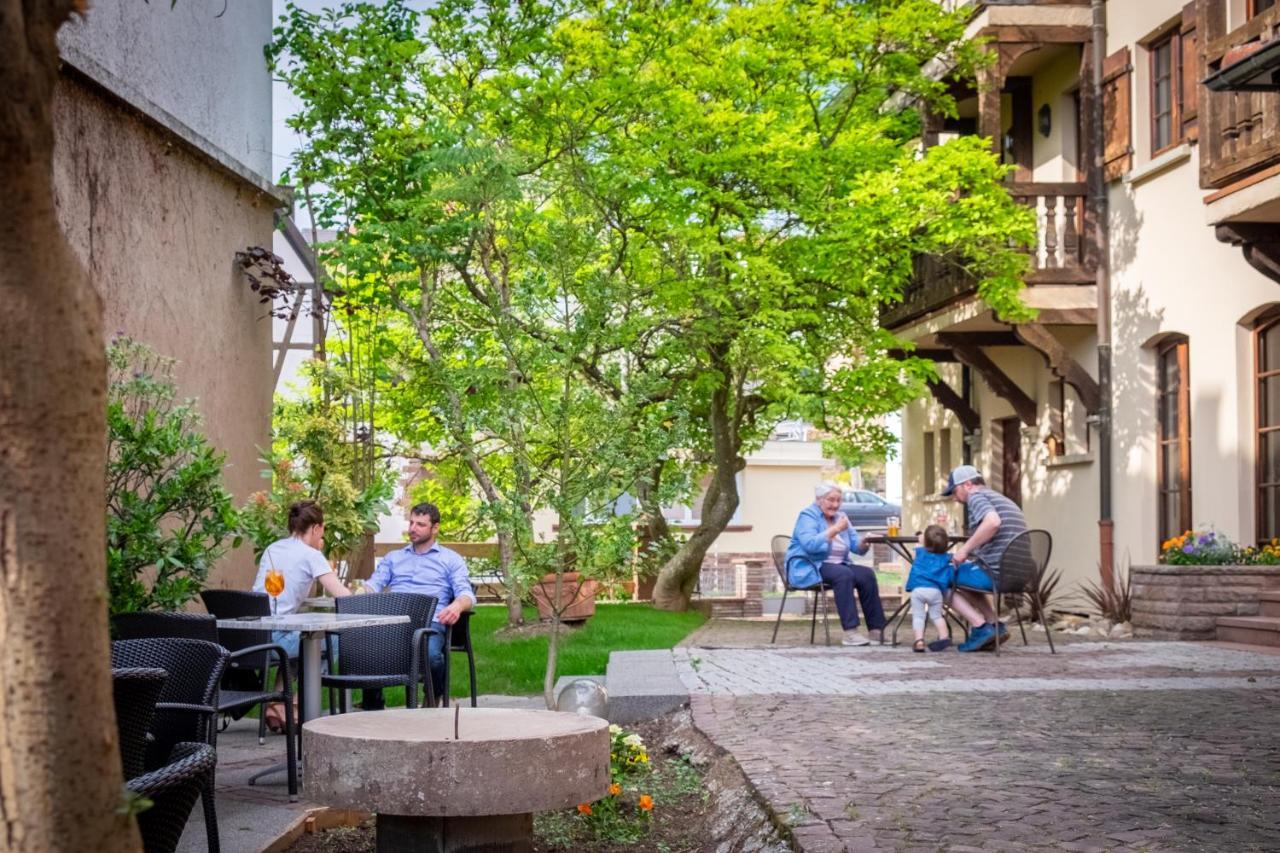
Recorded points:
(953, 402)
(1023, 406)
(1061, 363)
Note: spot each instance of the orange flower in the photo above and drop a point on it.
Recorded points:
(646, 802)
(615, 789)
(584, 808)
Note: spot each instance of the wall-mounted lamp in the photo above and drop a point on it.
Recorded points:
(1045, 120)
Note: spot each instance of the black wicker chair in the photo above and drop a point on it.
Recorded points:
(779, 545)
(374, 658)
(1021, 564)
(457, 638)
(173, 788)
(240, 692)
(135, 691)
(246, 673)
(186, 714)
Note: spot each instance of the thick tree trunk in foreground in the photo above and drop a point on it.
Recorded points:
(679, 575)
(60, 773)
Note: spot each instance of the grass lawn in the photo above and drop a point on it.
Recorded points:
(515, 665)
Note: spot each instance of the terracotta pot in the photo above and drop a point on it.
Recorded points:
(577, 599)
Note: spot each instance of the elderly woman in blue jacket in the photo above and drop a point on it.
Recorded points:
(821, 546)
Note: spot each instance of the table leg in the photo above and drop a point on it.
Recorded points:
(310, 663)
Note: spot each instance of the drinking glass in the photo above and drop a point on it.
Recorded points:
(274, 585)
(891, 525)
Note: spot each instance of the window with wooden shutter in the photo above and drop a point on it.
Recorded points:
(1173, 438)
(1117, 101)
(1191, 72)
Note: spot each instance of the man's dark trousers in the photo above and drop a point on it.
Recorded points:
(843, 580)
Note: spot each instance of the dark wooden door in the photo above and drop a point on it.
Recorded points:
(1011, 459)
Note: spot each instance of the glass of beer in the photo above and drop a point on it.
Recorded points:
(274, 585)
(891, 525)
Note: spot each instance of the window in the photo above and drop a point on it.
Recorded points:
(930, 471)
(944, 452)
(1166, 92)
(1257, 7)
(1068, 422)
(1173, 438)
(1267, 371)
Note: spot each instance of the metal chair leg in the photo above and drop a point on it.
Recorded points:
(1021, 630)
(778, 621)
(1044, 623)
(997, 625)
(813, 623)
(900, 615)
(826, 616)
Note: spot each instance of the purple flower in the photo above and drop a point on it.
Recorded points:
(1188, 548)
(1206, 539)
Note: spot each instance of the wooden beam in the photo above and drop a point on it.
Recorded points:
(1061, 363)
(1023, 406)
(978, 339)
(1260, 242)
(1067, 317)
(953, 402)
(943, 355)
(1038, 33)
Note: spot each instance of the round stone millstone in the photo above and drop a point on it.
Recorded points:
(408, 762)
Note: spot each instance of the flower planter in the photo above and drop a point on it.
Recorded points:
(1184, 602)
(577, 600)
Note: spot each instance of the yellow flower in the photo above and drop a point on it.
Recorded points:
(646, 802)
(584, 808)
(615, 789)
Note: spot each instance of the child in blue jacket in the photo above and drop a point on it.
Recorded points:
(932, 575)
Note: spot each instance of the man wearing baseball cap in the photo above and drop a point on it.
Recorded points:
(994, 521)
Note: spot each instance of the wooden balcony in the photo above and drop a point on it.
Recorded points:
(1063, 254)
(1239, 131)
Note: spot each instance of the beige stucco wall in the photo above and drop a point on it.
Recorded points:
(776, 484)
(158, 227)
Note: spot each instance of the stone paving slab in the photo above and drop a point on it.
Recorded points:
(1104, 746)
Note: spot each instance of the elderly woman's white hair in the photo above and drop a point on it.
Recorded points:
(825, 488)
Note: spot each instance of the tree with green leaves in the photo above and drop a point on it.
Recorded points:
(753, 191)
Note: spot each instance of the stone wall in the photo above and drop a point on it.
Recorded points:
(1184, 602)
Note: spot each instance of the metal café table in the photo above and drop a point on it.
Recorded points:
(903, 545)
(312, 627)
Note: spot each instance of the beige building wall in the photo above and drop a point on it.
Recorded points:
(157, 226)
(776, 484)
(1170, 275)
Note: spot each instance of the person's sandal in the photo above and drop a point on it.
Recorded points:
(274, 716)
(918, 646)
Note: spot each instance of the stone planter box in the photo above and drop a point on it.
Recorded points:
(1184, 602)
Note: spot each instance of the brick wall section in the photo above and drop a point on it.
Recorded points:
(1183, 602)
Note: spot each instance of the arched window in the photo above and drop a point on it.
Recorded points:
(1267, 407)
(1173, 436)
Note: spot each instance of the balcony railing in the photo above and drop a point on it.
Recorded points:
(1062, 254)
(1240, 131)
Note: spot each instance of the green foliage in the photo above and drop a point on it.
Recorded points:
(168, 516)
(1114, 602)
(1211, 548)
(607, 232)
(312, 458)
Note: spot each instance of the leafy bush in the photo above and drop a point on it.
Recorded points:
(168, 516)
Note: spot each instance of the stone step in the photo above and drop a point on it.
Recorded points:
(1269, 602)
(1256, 630)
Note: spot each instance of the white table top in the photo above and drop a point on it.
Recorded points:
(330, 622)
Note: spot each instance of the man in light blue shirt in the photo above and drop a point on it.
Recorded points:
(425, 566)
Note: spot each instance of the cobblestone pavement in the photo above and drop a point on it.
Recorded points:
(1104, 746)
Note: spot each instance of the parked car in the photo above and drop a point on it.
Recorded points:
(867, 509)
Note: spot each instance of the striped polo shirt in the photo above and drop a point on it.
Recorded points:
(1012, 522)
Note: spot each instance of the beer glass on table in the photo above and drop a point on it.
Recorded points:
(891, 525)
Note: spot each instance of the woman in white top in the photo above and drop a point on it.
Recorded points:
(299, 559)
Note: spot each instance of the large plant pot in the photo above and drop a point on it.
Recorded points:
(577, 600)
(1184, 602)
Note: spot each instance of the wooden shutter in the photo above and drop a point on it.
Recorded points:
(1117, 100)
(1190, 72)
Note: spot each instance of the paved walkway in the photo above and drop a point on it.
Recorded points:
(1125, 746)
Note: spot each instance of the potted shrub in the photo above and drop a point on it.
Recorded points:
(576, 601)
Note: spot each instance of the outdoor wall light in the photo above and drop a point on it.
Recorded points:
(1045, 120)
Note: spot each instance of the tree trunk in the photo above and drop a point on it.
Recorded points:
(506, 558)
(60, 772)
(679, 575)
